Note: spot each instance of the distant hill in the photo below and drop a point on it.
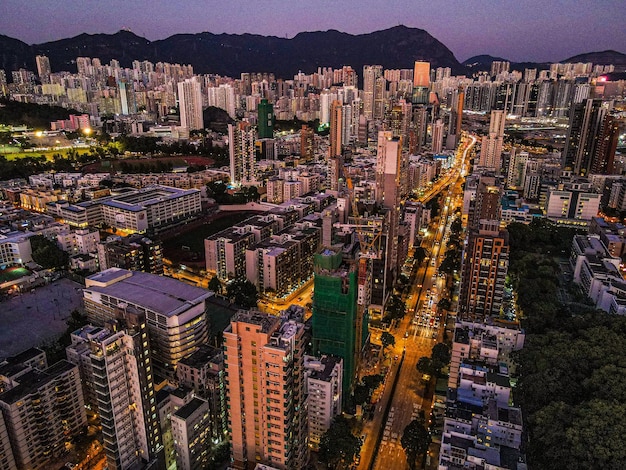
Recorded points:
(481, 62)
(601, 58)
(232, 54)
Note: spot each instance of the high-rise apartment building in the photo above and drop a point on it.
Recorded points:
(307, 143)
(437, 137)
(190, 103)
(43, 68)
(370, 74)
(123, 379)
(135, 252)
(591, 138)
(265, 389)
(485, 266)
(486, 256)
(42, 410)
(191, 431)
(241, 143)
(175, 312)
(203, 372)
(421, 74)
(335, 128)
(324, 378)
(492, 144)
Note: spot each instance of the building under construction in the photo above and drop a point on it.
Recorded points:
(339, 324)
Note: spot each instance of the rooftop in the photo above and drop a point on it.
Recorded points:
(34, 380)
(186, 411)
(160, 294)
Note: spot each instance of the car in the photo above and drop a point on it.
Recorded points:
(406, 334)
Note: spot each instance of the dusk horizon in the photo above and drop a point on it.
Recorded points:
(528, 31)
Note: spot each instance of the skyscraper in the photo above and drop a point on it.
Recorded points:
(43, 68)
(586, 148)
(370, 74)
(190, 103)
(336, 121)
(307, 143)
(264, 362)
(241, 141)
(491, 147)
(437, 144)
(486, 257)
(266, 119)
(421, 74)
(124, 385)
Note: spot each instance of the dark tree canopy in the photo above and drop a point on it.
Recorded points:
(242, 292)
(338, 446)
(415, 441)
(387, 339)
(46, 253)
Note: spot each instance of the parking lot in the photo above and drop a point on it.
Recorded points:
(32, 318)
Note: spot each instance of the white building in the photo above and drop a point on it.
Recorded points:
(191, 431)
(175, 312)
(15, 248)
(190, 103)
(124, 386)
(324, 393)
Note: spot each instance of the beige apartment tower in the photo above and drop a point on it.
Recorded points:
(265, 390)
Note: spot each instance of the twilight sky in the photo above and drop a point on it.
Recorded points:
(518, 30)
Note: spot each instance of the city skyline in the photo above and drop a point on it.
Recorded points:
(563, 29)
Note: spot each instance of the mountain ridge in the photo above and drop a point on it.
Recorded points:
(232, 54)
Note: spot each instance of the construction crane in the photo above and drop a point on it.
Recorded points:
(368, 231)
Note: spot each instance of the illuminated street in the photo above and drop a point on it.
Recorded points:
(410, 394)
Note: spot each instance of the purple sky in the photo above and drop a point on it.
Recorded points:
(534, 30)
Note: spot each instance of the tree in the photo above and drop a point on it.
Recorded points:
(396, 308)
(387, 339)
(440, 357)
(425, 365)
(444, 304)
(46, 253)
(338, 446)
(415, 441)
(242, 292)
(215, 285)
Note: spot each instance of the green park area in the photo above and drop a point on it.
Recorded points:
(10, 274)
(193, 240)
(14, 153)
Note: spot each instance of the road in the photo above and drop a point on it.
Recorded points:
(415, 336)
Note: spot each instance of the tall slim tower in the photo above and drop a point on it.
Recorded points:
(190, 103)
(124, 385)
(264, 360)
(486, 256)
(437, 140)
(43, 68)
(584, 136)
(390, 162)
(307, 143)
(336, 110)
(266, 119)
(370, 74)
(241, 141)
(491, 148)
